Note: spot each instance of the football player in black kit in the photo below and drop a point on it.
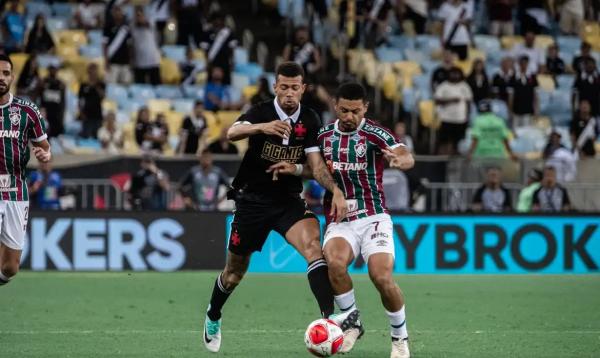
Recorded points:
(278, 130)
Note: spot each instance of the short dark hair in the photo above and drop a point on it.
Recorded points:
(351, 91)
(6, 58)
(198, 102)
(289, 69)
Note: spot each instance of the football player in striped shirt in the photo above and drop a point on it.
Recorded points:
(355, 149)
(20, 123)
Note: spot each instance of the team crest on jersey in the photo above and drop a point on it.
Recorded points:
(14, 115)
(360, 149)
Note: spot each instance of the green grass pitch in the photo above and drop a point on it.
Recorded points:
(161, 314)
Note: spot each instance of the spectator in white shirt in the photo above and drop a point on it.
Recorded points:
(88, 15)
(457, 16)
(571, 13)
(146, 52)
(110, 136)
(537, 58)
(400, 133)
(453, 100)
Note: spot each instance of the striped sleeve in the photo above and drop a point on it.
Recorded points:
(383, 138)
(37, 124)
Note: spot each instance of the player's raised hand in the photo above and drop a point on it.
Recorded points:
(401, 161)
(41, 154)
(277, 127)
(339, 207)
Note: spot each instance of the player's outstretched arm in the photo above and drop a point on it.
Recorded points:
(242, 130)
(321, 173)
(285, 168)
(399, 157)
(41, 150)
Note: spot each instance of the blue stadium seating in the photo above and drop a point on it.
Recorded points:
(240, 56)
(174, 52)
(252, 70)
(32, 8)
(57, 23)
(63, 9)
(141, 91)
(183, 105)
(568, 44)
(388, 54)
(168, 92)
(91, 51)
(116, 92)
(487, 43)
(95, 37)
(193, 91)
(565, 81)
(500, 108)
(239, 80)
(401, 42)
(46, 60)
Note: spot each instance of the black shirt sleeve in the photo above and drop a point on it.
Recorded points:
(507, 200)
(477, 198)
(312, 144)
(252, 116)
(566, 199)
(536, 197)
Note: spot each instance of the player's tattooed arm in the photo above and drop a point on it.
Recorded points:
(321, 173)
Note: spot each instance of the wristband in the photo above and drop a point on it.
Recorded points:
(299, 169)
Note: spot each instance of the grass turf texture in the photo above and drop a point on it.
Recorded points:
(161, 315)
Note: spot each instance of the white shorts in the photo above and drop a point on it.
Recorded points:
(13, 223)
(366, 236)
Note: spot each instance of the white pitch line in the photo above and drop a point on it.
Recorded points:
(284, 331)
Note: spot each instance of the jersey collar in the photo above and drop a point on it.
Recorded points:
(360, 125)
(10, 99)
(283, 116)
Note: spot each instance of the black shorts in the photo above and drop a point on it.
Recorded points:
(452, 132)
(255, 216)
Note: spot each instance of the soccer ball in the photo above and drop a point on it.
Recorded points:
(323, 338)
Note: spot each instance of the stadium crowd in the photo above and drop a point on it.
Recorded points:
(492, 80)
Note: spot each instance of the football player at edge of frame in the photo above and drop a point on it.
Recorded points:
(20, 122)
(277, 130)
(354, 148)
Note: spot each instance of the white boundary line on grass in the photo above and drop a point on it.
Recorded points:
(283, 331)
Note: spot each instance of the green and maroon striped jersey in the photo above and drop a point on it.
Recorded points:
(356, 162)
(21, 122)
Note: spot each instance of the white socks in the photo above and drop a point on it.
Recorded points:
(346, 301)
(398, 324)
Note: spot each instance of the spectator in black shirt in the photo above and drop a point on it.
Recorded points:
(219, 45)
(492, 196)
(149, 186)
(91, 95)
(223, 145)
(29, 79)
(192, 130)
(190, 67)
(523, 100)
(584, 130)
(587, 87)
(585, 53)
(551, 196)
(442, 73)
(39, 40)
(190, 21)
(503, 79)
(554, 64)
(151, 136)
(117, 50)
(52, 95)
(478, 81)
(303, 52)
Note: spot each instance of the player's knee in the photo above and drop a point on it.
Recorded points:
(336, 264)
(383, 281)
(313, 250)
(232, 278)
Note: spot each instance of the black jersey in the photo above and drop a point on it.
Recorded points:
(264, 151)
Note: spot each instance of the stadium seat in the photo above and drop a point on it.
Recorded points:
(388, 54)
(568, 43)
(429, 66)
(213, 125)
(63, 9)
(129, 146)
(544, 98)
(465, 66)
(174, 121)
(18, 60)
(95, 37)
(239, 80)
(421, 82)
(487, 43)
(89, 143)
(249, 91)
(183, 105)
(227, 118)
(71, 37)
(500, 108)
(401, 42)
(109, 105)
(240, 56)
(33, 8)
(508, 42)
(235, 94)
(44, 61)
(169, 71)
(590, 28)
(543, 41)
(141, 91)
(594, 40)
(168, 91)
(158, 106)
(132, 105)
(409, 99)
(174, 52)
(546, 82)
(193, 91)
(67, 52)
(427, 114)
(427, 43)
(477, 54)
(391, 85)
(408, 68)
(91, 51)
(116, 92)
(252, 70)
(416, 55)
(565, 81)
(57, 24)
